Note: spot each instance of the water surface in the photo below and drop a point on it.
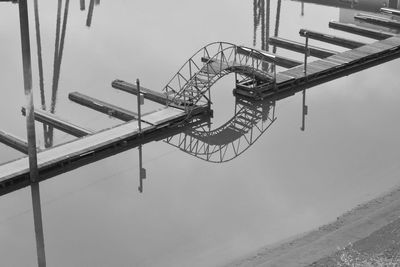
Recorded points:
(192, 212)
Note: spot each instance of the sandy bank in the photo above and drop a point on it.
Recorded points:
(321, 245)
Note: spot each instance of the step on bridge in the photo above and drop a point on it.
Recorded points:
(191, 85)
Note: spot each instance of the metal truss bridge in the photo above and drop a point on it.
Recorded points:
(191, 85)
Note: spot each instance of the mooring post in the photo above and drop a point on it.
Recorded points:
(139, 103)
(30, 127)
(306, 53)
(304, 106)
(142, 171)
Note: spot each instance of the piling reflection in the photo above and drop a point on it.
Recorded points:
(90, 11)
(262, 16)
(227, 142)
(61, 29)
(28, 110)
(58, 54)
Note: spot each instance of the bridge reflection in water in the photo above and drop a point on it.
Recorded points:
(250, 121)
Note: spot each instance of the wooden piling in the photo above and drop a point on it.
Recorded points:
(331, 39)
(138, 105)
(101, 106)
(37, 217)
(58, 123)
(362, 31)
(377, 20)
(147, 93)
(14, 142)
(31, 136)
(270, 57)
(299, 47)
(390, 11)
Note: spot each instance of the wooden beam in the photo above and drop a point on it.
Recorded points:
(147, 93)
(268, 57)
(362, 31)
(386, 22)
(390, 11)
(82, 151)
(14, 142)
(331, 39)
(300, 48)
(101, 106)
(58, 123)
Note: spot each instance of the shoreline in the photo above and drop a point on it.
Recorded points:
(309, 247)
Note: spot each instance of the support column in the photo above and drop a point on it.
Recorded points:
(140, 101)
(30, 127)
(304, 106)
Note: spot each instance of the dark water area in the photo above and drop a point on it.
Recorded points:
(192, 212)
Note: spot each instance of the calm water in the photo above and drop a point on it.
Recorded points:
(192, 212)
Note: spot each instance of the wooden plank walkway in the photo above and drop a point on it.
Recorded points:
(378, 20)
(103, 107)
(53, 161)
(331, 39)
(390, 11)
(58, 123)
(300, 47)
(294, 80)
(362, 31)
(14, 142)
(270, 57)
(149, 94)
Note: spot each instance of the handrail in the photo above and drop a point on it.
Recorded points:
(189, 84)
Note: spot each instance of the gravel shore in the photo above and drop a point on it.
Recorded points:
(368, 235)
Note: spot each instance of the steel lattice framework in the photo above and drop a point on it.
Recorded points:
(190, 86)
(230, 140)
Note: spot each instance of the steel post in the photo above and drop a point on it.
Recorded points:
(138, 105)
(304, 106)
(306, 53)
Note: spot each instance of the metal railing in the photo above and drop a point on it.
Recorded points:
(190, 86)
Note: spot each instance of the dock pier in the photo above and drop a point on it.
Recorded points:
(330, 65)
(186, 99)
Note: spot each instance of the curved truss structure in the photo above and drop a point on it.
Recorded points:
(190, 86)
(230, 140)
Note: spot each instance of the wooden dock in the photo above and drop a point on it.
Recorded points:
(186, 99)
(93, 147)
(295, 79)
